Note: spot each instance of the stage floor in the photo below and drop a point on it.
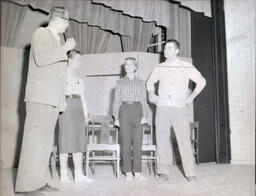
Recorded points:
(213, 180)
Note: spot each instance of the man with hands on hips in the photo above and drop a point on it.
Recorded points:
(45, 98)
(173, 76)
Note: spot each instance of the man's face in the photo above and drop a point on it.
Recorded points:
(129, 66)
(170, 50)
(61, 23)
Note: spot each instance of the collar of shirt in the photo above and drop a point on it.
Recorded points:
(127, 78)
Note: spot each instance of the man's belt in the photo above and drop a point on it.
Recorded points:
(73, 96)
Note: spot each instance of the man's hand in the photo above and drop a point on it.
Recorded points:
(117, 124)
(187, 102)
(153, 98)
(143, 121)
(70, 44)
(65, 105)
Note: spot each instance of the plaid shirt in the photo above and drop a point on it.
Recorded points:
(130, 90)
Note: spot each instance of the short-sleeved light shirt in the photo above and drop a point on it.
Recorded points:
(173, 82)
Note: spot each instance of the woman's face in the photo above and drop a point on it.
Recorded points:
(74, 63)
(130, 66)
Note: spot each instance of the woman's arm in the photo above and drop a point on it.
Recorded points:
(117, 101)
(85, 109)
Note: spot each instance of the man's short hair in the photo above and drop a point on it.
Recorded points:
(72, 53)
(58, 12)
(177, 44)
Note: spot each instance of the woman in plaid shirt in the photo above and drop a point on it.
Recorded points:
(130, 110)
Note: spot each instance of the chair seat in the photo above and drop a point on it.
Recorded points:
(148, 148)
(103, 147)
(104, 158)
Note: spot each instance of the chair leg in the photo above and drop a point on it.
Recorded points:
(155, 163)
(93, 163)
(87, 162)
(197, 156)
(118, 164)
(149, 166)
(151, 162)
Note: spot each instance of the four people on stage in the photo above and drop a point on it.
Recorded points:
(54, 89)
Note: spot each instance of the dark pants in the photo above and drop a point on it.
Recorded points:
(131, 136)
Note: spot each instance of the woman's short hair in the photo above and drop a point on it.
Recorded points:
(132, 59)
(72, 53)
(123, 72)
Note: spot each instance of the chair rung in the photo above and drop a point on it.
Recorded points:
(148, 158)
(148, 147)
(103, 147)
(103, 158)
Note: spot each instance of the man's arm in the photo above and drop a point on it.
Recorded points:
(200, 82)
(144, 103)
(44, 51)
(153, 78)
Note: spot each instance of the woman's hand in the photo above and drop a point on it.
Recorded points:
(144, 121)
(86, 118)
(116, 123)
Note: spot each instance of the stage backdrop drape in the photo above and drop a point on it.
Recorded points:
(118, 17)
(165, 13)
(86, 11)
(89, 39)
(140, 40)
(148, 10)
(180, 28)
(12, 17)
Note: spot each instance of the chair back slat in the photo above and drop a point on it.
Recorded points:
(102, 124)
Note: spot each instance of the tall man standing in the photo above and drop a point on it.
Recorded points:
(173, 76)
(45, 98)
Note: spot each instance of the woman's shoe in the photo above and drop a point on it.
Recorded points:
(139, 177)
(129, 176)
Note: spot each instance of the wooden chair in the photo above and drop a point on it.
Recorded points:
(102, 142)
(149, 150)
(194, 129)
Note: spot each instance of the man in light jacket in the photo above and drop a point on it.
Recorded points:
(45, 98)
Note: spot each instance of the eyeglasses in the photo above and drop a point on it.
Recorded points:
(66, 19)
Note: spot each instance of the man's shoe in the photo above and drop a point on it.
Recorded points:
(191, 179)
(48, 188)
(163, 177)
